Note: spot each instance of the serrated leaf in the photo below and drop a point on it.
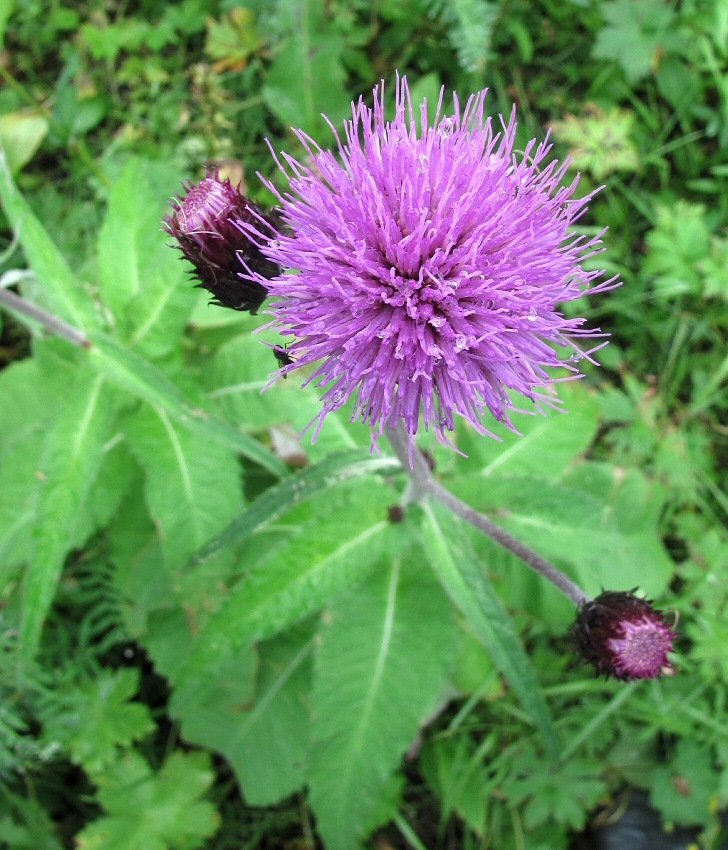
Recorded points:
(142, 278)
(462, 576)
(312, 564)
(634, 34)
(154, 811)
(97, 717)
(192, 487)
(58, 285)
(144, 380)
(381, 665)
(72, 455)
(265, 738)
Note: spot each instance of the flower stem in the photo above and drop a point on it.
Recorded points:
(424, 483)
(47, 320)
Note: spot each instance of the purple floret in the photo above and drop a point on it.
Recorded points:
(427, 264)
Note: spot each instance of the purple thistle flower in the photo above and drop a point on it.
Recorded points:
(430, 261)
(205, 223)
(624, 636)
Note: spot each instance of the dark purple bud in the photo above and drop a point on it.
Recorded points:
(624, 636)
(204, 222)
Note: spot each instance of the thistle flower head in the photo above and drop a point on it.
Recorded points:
(204, 222)
(624, 636)
(430, 258)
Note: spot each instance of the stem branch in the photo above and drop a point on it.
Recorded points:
(423, 482)
(47, 320)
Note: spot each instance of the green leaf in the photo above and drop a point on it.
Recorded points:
(677, 243)
(684, 790)
(5, 12)
(547, 446)
(97, 717)
(192, 486)
(145, 381)
(141, 277)
(634, 35)
(381, 666)
(156, 812)
(280, 498)
(266, 738)
(73, 451)
(564, 793)
(464, 579)
(454, 768)
(21, 134)
(599, 140)
(36, 829)
(236, 378)
(309, 566)
(59, 288)
(306, 76)
(21, 435)
(601, 520)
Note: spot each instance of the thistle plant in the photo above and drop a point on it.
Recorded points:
(417, 273)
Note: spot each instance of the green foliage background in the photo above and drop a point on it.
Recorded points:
(214, 636)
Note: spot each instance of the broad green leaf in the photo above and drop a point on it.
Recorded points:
(464, 579)
(601, 520)
(235, 382)
(192, 486)
(97, 718)
(311, 565)
(59, 288)
(546, 445)
(380, 670)
(142, 279)
(160, 811)
(73, 450)
(22, 428)
(145, 381)
(290, 491)
(264, 738)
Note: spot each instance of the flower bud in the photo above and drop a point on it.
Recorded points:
(624, 636)
(204, 222)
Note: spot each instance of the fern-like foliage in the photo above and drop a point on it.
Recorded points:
(470, 26)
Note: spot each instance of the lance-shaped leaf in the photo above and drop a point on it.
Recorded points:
(192, 486)
(72, 455)
(144, 380)
(380, 670)
(59, 287)
(463, 577)
(142, 279)
(272, 504)
(316, 559)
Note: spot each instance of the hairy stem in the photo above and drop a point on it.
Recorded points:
(47, 320)
(422, 482)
